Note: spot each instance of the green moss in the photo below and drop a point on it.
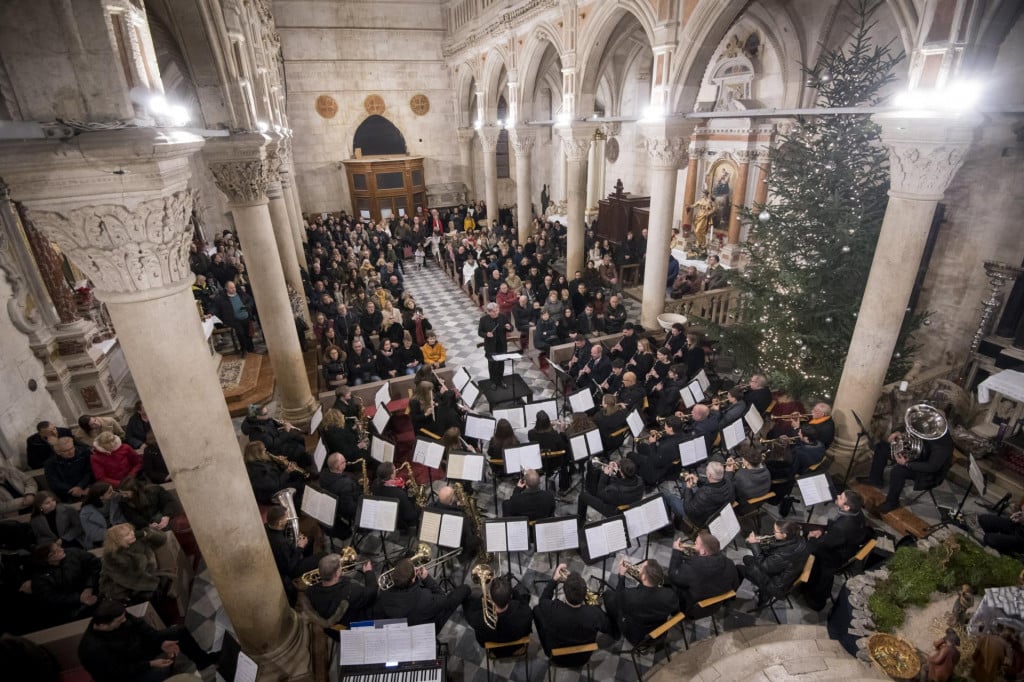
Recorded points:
(914, 575)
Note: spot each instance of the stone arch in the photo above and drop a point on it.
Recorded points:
(607, 19)
(377, 136)
(495, 64)
(700, 37)
(541, 39)
(465, 87)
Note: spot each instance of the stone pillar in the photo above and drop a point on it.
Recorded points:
(522, 139)
(133, 244)
(761, 191)
(576, 139)
(466, 136)
(595, 175)
(297, 227)
(731, 252)
(283, 232)
(924, 155)
(690, 189)
(240, 168)
(489, 143)
(666, 143)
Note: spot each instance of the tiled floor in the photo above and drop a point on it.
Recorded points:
(454, 316)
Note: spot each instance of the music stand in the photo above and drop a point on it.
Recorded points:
(561, 377)
(442, 529)
(556, 534)
(605, 538)
(509, 534)
(862, 433)
(381, 514)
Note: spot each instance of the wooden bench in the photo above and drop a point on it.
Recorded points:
(561, 353)
(399, 387)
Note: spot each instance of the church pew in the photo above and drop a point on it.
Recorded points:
(399, 388)
(562, 353)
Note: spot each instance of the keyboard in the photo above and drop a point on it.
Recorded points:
(430, 671)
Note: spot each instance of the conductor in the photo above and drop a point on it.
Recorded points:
(492, 329)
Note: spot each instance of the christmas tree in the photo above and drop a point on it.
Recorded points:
(811, 246)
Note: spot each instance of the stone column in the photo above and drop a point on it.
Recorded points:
(924, 155)
(489, 143)
(666, 143)
(731, 252)
(466, 136)
(690, 190)
(297, 226)
(522, 139)
(133, 245)
(283, 233)
(240, 168)
(576, 139)
(595, 175)
(761, 191)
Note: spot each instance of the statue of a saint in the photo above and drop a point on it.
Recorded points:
(701, 213)
(722, 193)
(545, 199)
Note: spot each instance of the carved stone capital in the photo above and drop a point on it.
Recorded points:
(666, 141)
(465, 134)
(522, 139)
(924, 153)
(576, 139)
(241, 166)
(489, 138)
(126, 250)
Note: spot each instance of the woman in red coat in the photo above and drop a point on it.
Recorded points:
(113, 460)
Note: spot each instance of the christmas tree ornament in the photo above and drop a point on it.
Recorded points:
(764, 216)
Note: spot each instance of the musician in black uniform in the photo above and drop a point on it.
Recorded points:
(580, 356)
(834, 546)
(611, 419)
(815, 437)
(636, 611)
(608, 488)
(774, 566)
(693, 356)
(631, 395)
(388, 485)
(568, 622)
(706, 424)
(492, 329)
(514, 618)
(700, 571)
(335, 481)
(758, 394)
(928, 470)
(417, 597)
(613, 383)
(655, 458)
(335, 587)
(597, 368)
(734, 408)
(700, 502)
(471, 541)
(291, 554)
(667, 392)
(658, 373)
(529, 499)
(626, 347)
(552, 441)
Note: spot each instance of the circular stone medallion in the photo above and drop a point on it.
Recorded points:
(611, 150)
(326, 106)
(419, 104)
(374, 105)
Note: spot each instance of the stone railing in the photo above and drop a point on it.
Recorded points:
(470, 23)
(718, 306)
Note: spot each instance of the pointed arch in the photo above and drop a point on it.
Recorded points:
(599, 34)
(495, 64)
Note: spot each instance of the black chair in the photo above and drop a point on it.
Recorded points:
(560, 658)
(707, 608)
(653, 641)
(801, 580)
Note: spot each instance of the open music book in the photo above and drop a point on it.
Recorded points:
(481, 428)
(522, 457)
(461, 378)
(516, 416)
(724, 525)
(606, 537)
(636, 423)
(693, 451)
(441, 528)
(395, 643)
(582, 401)
(383, 395)
(319, 505)
(702, 379)
(380, 419)
(377, 513)
(314, 421)
(696, 390)
(511, 534)
(687, 397)
(557, 534)
(428, 453)
(466, 466)
(814, 489)
(382, 450)
(320, 455)
(646, 516)
(754, 420)
(470, 392)
(733, 434)
(587, 444)
(530, 411)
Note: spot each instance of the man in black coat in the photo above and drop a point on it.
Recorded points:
(705, 572)
(493, 329)
(614, 316)
(834, 546)
(657, 458)
(636, 611)
(387, 485)
(631, 395)
(69, 472)
(39, 446)
(775, 566)
(609, 488)
(118, 647)
(514, 618)
(335, 587)
(626, 346)
(758, 395)
(290, 554)
(927, 471)
(448, 502)
(66, 582)
(235, 310)
(335, 481)
(699, 503)
(595, 370)
(418, 598)
(816, 435)
(570, 622)
(667, 392)
(529, 499)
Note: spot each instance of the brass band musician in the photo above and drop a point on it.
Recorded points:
(815, 435)
(471, 540)
(345, 489)
(758, 394)
(569, 621)
(774, 566)
(529, 499)
(335, 587)
(636, 611)
(387, 484)
(418, 598)
(700, 571)
(512, 618)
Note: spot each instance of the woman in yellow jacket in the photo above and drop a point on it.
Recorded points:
(434, 353)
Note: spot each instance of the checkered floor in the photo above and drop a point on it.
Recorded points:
(454, 316)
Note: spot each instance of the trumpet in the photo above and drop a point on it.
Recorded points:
(689, 477)
(482, 576)
(782, 440)
(591, 599)
(633, 571)
(736, 463)
(764, 539)
(802, 417)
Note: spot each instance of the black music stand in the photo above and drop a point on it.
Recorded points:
(561, 377)
(862, 433)
(383, 531)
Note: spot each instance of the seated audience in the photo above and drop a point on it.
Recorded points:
(154, 468)
(1005, 535)
(131, 572)
(17, 491)
(145, 504)
(65, 582)
(39, 446)
(69, 473)
(434, 353)
(100, 510)
(113, 460)
(138, 427)
(89, 428)
(53, 521)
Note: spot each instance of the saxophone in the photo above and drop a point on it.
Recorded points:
(365, 480)
(417, 492)
(468, 504)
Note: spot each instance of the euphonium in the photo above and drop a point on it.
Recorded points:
(483, 575)
(633, 571)
(286, 498)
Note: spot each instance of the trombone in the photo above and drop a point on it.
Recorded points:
(421, 559)
(349, 562)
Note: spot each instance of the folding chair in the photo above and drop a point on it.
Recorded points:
(753, 508)
(575, 651)
(856, 563)
(801, 580)
(522, 651)
(653, 641)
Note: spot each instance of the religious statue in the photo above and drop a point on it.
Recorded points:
(700, 213)
(545, 199)
(722, 194)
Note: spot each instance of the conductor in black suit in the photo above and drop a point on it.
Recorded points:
(702, 572)
(529, 499)
(492, 329)
(638, 610)
(568, 622)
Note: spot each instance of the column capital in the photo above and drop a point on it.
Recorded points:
(522, 139)
(465, 134)
(666, 141)
(489, 137)
(924, 152)
(241, 167)
(576, 138)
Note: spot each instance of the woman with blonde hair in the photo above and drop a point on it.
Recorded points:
(130, 572)
(112, 460)
(268, 476)
(421, 409)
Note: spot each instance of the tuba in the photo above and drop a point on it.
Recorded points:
(286, 498)
(924, 423)
(482, 576)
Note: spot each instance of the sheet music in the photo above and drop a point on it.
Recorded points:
(687, 397)
(383, 395)
(245, 669)
(494, 536)
(557, 536)
(518, 533)
(380, 419)
(582, 401)
(754, 420)
(382, 450)
(977, 476)
(466, 466)
(636, 423)
(724, 525)
(479, 427)
(606, 538)
(594, 442)
(375, 642)
(508, 369)
(424, 642)
(696, 390)
(450, 533)
(314, 421)
(319, 505)
(524, 456)
(378, 514)
(530, 410)
(430, 526)
(646, 517)
(320, 454)
(428, 453)
(461, 378)
(470, 392)
(693, 451)
(702, 379)
(814, 489)
(733, 434)
(516, 416)
(579, 447)
(502, 357)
